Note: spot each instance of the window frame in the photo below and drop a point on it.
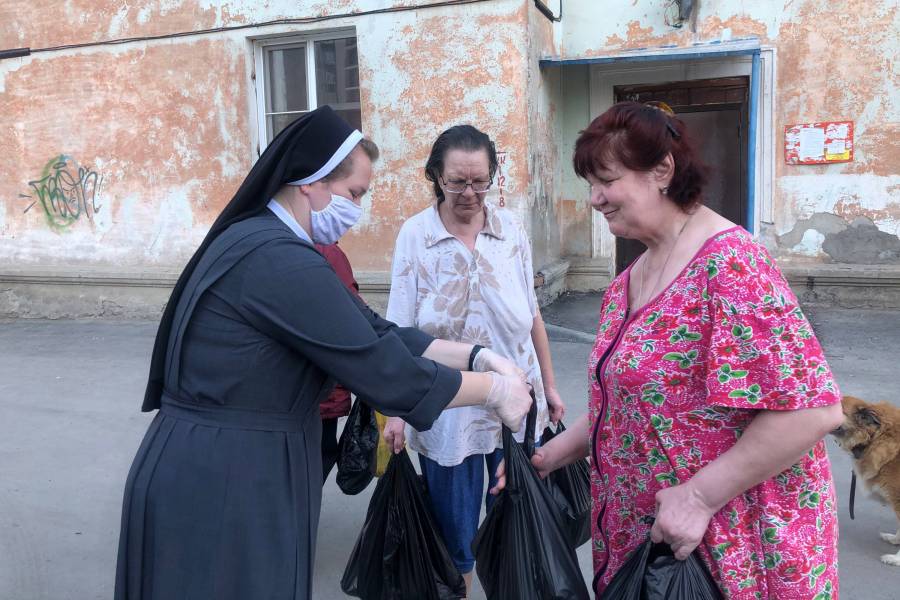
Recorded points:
(261, 48)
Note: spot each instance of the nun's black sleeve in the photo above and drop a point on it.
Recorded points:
(415, 339)
(290, 293)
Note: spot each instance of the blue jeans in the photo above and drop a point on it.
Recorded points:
(455, 497)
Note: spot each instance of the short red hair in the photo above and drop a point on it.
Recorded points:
(639, 137)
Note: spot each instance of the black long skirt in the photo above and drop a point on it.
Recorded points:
(222, 504)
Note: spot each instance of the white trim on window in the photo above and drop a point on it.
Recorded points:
(259, 83)
(312, 100)
(261, 46)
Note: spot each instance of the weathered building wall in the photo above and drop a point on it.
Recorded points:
(120, 157)
(544, 219)
(834, 62)
(426, 72)
(148, 139)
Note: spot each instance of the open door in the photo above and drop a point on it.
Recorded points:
(717, 114)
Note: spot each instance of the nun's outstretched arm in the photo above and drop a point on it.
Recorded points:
(416, 341)
(508, 396)
(456, 355)
(452, 354)
(469, 357)
(290, 293)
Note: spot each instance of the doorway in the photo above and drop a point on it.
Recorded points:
(716, 112)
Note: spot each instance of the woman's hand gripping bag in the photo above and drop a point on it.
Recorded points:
(571, 486)
(653, 573)
(522, 550)
(356, 458)
(399, 554)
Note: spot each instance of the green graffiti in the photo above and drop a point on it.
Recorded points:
(66, 192)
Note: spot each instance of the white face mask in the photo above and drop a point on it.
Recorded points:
(333, 221)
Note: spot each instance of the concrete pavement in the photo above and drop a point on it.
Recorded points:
(70, 394)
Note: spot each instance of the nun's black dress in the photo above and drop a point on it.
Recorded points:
(222, 500)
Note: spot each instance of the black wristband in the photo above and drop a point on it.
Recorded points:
(475, 350)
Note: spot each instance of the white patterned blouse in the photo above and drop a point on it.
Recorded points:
(483, 297)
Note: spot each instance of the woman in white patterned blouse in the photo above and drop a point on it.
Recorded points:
(462, 271)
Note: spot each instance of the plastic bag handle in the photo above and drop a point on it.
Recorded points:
(530, 425)
(528, 444)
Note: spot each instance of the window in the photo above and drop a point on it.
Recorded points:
(301, 74)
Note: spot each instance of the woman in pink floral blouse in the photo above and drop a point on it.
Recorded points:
(710, 395)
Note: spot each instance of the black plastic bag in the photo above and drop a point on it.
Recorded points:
(399, 554)
(359, 440)
(653, 573)
(522, 550)
(571, 486)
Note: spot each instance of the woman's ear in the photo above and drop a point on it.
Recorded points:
(664, 171)
(317, 193)
(316, 188)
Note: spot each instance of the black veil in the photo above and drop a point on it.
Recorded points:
(305, 151)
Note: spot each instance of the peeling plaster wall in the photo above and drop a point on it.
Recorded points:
(149, 138)
(544, 130)
(37, 24)
(834, 62)
(574, 208)
(428, 71)
(155, 136)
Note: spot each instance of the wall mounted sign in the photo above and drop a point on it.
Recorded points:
(818, 143)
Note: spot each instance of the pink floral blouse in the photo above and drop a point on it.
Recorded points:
(681, 379)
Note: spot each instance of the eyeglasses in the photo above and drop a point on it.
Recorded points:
(458, 187)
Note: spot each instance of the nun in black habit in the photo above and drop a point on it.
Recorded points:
(222, 500)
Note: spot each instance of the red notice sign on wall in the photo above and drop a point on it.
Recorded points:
(818, 143)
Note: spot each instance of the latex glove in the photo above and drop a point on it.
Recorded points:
(488, 360)
(509, 399)
(554, 403)
(682, 517)
(395, 433)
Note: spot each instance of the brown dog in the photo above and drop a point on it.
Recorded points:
(871, 433)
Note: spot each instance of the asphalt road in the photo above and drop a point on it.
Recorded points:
(70, 393)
